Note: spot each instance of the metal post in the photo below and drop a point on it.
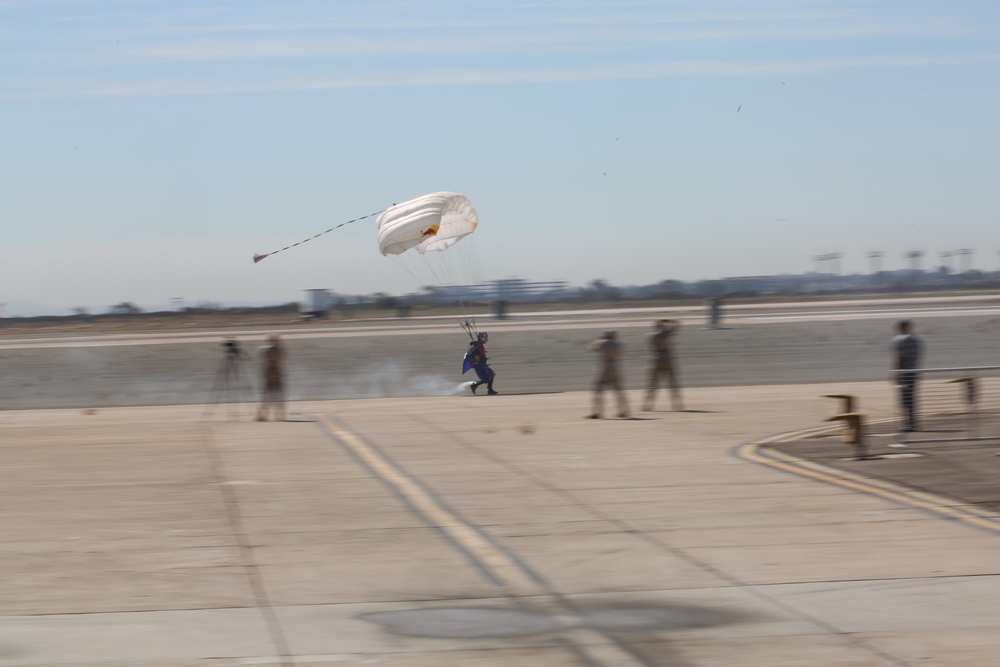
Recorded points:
(970, 396)
(854, 433)
(848, 402)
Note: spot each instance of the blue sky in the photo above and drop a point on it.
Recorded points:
(150, 148)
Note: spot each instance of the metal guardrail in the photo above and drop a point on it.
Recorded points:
(958, 404)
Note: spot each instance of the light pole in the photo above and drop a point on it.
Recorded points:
(966, 265)
(914, 257)
(876, 261)
(946, 260)
(835, 259)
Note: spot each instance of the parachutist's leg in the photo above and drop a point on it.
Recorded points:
(484, 374)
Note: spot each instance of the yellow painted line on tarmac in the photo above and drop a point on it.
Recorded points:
(600, 649)
(504, 568)
(931, 502)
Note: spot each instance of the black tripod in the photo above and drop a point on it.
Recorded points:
(232, 386)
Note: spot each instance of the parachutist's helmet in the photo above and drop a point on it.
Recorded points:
(483, 337)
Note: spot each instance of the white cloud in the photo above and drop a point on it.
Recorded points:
(158, 49)
(458, 76)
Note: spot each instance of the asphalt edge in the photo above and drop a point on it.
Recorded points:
(760, 452)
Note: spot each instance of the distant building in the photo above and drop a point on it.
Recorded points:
(317, 304)
(513, 290)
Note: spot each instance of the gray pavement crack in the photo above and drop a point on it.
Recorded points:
(246, 547)
(521, 584)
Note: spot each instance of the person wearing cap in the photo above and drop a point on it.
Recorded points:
(906, 348)
(609, 351)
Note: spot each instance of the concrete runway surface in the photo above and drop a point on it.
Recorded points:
(459, 530)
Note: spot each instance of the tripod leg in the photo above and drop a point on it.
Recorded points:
(250, 403)
(236, 375)
(216, 392)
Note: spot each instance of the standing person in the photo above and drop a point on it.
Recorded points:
(273, 397)
(609, 350)
(906, 350)
(476, 359)
(661, 343)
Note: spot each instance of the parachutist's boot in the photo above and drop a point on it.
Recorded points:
(491, 391)
(474, 386)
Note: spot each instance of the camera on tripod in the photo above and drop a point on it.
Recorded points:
(233, 386)
(232, 347)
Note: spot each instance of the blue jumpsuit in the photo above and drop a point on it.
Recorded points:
(475, 358)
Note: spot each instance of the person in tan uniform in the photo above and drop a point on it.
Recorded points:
(661, 344)
(609, 351)
(273, 397)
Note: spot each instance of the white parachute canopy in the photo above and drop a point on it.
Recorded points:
(432, 223)
(422, 235)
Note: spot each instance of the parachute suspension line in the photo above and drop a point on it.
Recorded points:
(257, 257)
(449, 274)
(462, 270)
(470, 328)
(440, 273)
(468, 267)
(427, 275)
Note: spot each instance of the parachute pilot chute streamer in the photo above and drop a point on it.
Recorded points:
(433, 223)
(421, 235)
(259, 256)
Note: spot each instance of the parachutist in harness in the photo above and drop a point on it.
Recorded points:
(476, 359)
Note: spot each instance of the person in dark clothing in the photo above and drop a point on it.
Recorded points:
(906, 350)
